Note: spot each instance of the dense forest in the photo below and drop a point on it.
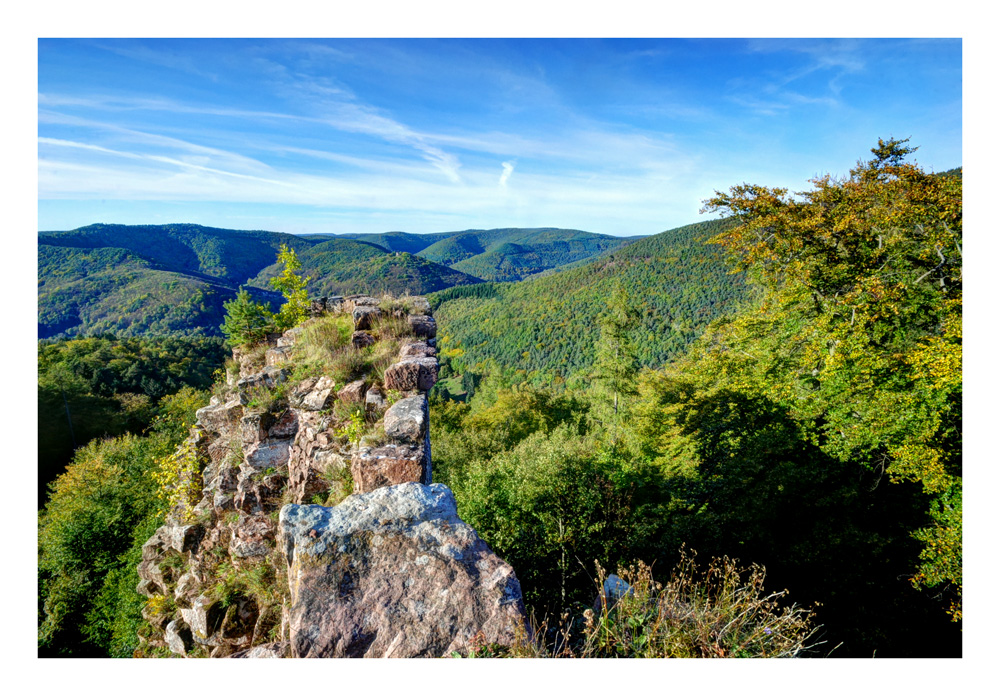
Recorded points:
(345, 266)
(546, 328)
(816, 431)
(136, 280)
(104, 386)
(781, 386)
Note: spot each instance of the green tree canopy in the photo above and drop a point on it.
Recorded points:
(860, 329)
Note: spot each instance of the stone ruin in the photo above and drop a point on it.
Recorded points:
(389, 570)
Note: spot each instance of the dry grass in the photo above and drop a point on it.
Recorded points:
(323, 338)
(722, 611)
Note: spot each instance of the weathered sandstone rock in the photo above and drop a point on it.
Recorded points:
(289, 338)
(276, 356)
(253, 535)
(422, 325)
(375, 400)
(362, 339)
(353, 393)
(312, 394)
(394, 573)
(418, 349)
(419, 305)
(178, 637)
(267, 650)
(406, 420)
(364, 316)
(270, 377)
(271, 453)
(411, 374)
(220, 419)
(204, 618)
(388, 465)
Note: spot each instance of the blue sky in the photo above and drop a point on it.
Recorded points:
(612, 136)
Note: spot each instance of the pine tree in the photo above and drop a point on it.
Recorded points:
(247, 322)
(616, 363)
(293, 287)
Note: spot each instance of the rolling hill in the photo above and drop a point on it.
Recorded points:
(512, 254)
(341, 266)
(110, 290)
(231, 256)
(173, 279)
(548, 325)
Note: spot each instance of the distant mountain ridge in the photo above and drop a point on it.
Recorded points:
(504, 254)
(174, 278)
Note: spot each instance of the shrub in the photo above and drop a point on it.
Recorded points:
(550, 500)
(247, 322)
(178, 479)
(722, 611)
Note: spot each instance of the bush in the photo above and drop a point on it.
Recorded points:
(247, 322)
(722, 611)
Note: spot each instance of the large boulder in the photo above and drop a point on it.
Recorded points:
(276, 356)
(394, 573)
(364, 316)
(268, 378)
(353, 393)
(362, 339)
(312, 394)
(417, 349)
(375, 401)
(220, 419)
(178, 637)
(419, 305)
(266, 454)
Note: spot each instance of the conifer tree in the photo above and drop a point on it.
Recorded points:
(247, 322)
(293, 287)
(616, 362)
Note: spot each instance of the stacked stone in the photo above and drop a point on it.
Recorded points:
(406, 457)
(397, 530)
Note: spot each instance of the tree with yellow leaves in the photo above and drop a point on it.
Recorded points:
(862, 278)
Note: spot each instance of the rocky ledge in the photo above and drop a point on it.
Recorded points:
(394, 573)
(384, 567)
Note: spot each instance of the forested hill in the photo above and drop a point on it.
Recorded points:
(229, 255)
(514, 254)
(548, 325)
(342, 266)
(503, 254)
(395, 241)
(173, 279)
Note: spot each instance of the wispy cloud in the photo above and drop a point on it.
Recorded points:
(508, 169)
(172, 58)
(616, 137)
